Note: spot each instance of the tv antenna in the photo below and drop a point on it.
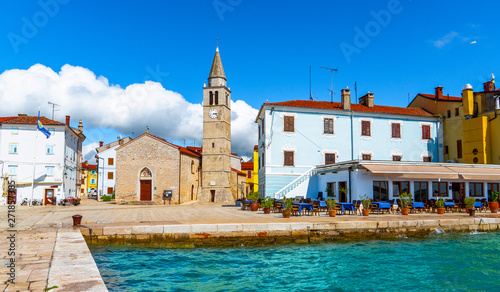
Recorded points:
(53, 108)
(331, 80)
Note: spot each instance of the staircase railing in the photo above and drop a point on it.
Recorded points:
(295, 183)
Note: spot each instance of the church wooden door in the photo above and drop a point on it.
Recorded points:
(145, 190)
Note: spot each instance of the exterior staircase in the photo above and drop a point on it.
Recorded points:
(287, 190)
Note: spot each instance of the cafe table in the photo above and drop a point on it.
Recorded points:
(382, 205)
(418, 205)
(304, 205)
(347, 206)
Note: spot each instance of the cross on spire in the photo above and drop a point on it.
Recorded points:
(217, 41)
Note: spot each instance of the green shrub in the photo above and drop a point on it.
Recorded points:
(106, 198)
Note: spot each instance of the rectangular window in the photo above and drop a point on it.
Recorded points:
(439, 189)
(111, 161)
(399, 187)
(365, 128)
(93, 172)
(427, 159)
(52, 131)
(329, 158)
(50, 149)
(492, 187)
(448, 114)
(249, 174)
(110, 175)
(330, 189)
(396, 130)
(288, 158)
(457, 112)
(14, 131)
(13, 148)
(426, 132)
(259, 132)
(396, 158)
(263, 128)
(421, 191)
(380, 190)
(475, 189)
(446, 149)
(459, 148)
(49, 170)
(367, 157)
(263, 160)
(110, 191)
(289, 124)
(92, 181)
(12, 170)
(328, 126)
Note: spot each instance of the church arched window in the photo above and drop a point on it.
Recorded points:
(192, 166)
(227, 99)
(216, 97)
(211, 98)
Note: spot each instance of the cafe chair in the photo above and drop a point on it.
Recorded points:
(295, 210)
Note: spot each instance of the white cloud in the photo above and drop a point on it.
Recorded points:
(89, 152)
(448, 38)
(83, 95)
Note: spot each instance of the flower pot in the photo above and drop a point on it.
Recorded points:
(366, 212)
(494, 207)
(332, 213)
(287, 213)
(405, 211)
(77, 220)
(254, 206)
(267, 210)
(472, 212)
(440, 211)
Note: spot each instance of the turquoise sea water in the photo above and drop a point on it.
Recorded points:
(438, 263)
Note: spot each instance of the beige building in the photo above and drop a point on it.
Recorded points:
(148, 166)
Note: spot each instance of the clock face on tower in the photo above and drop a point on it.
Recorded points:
(213, 113)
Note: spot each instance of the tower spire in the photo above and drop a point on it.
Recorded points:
(217, 77)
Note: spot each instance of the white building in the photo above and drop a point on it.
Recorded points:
(106, 166)
(51, 165)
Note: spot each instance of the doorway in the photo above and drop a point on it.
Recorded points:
(192, 192)
(146, 190)
(342, 195)
(458, 190)
(49, 197)
(212, 196)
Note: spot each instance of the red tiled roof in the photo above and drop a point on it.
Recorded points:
(30, 120)
(255, 147)
(444, 98)
(237, 171)
(247, 165)
(2, 119)
(89, 166)
(411, 111)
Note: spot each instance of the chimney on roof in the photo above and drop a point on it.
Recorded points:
(346, 99)
(439, 92)
(101, 143)
(67, 121)
(22, 115)
(80, 126)
(367, 99)
(489, 85)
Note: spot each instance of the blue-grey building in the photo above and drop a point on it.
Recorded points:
(298, 136)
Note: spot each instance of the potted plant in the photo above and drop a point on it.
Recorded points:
(267, 204)
(469, 205)
(366, 201)
(287, 207)
(329, 192)
(330, 205)
(405, 199)
(254, 197)
(440, 206)
(494, 202)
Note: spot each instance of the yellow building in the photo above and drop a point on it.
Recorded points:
(252, 175)
(481, 126)
(450, 110)
(89, 178)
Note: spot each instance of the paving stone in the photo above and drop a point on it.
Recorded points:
(229, 227)
(147, 229)
(203, 228)
(248, 227)
(174, 229)
(112, 230)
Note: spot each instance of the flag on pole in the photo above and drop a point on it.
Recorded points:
(40, 127)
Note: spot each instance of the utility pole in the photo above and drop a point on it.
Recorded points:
(331, 81)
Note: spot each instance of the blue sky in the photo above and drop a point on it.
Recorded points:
(394, 49)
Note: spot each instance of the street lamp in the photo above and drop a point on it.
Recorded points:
(98, 176)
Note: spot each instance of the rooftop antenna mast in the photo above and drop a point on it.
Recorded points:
(53, 108)
(331, 80)
(310, 78)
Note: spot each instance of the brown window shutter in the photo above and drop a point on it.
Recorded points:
(110, 175)
(459, 148)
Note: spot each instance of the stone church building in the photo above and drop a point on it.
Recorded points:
(148, 167)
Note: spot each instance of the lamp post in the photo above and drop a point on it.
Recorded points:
(99, 176)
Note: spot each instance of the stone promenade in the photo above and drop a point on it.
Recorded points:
(50, 252)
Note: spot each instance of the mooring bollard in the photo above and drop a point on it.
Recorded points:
(77, 220)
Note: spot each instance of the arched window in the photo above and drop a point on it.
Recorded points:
(192, 166)
(216, 97)
(227, 99)
(192, 192)
(145, 172)
(211, 98)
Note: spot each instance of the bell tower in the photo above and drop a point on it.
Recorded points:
(216, 156)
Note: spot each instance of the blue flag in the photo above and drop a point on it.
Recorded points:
(40, 127)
